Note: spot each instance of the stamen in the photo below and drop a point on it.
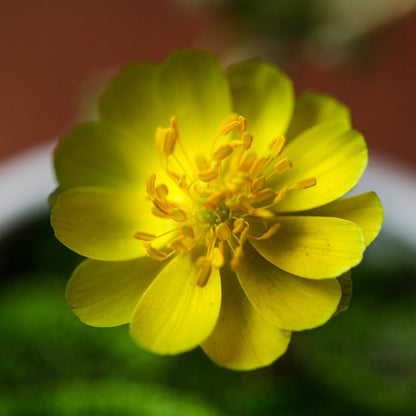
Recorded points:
(247, 139)
(181, 244)
(243, 202)
(258, 166)
(158, 213)
(161, 191)
(142, 236)
(218, 259)
(263, 196)
(161, 206)
(305, 183)
(283, 165)
(222, 152)
(187, 231)
(239, 225)
(166, 139)
(223, 231)
(237, 260)
(205, 268)
(150, 183)
(246, 162)
(276, 146)
(178, 215)
(272, 230)
(156, 254)
(230, 123)
(243, 236)
(208, 175)
(262, 213)
(257, 184)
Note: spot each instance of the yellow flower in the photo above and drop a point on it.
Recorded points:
(208, 205)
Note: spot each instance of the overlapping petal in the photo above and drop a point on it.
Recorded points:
(174, 314)
(243, 339)
(312, 108)
(264, 96)
(100, 223)
(365, 210)
(132, 102)
(330, 152)
(102, 154)
(286, 300)
(313, 247)
(105, 294)
(193, 87)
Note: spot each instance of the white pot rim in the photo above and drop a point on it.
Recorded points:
(27, 179)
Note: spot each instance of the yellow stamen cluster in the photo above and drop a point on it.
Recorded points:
(221, 194)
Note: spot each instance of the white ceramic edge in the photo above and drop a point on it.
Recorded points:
(25, 183)
(27, 179)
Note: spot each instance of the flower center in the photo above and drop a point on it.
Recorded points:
(220, 196)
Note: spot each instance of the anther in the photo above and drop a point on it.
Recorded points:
(222, 152)
(218, 259)
(246, 162)
(258, 166)
(205, 268)
(243, 202)
(159, 205)
(158, 213)
(142, 236)
(257, 184)
(161, 191)
(239, 225)
(262, 213)
(305, 183)
(263, 196)
(181, 244)
(187, 231)
(228, 124)
(276, 146)
(178, 215)
(208, 175)
(282, 165)
(247, 139)
(222, 231)
(156, 254)
(237, 260)
(150, 183)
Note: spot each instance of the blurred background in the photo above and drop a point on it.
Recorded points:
(55, 56)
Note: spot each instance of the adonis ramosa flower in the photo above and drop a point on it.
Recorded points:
(208, 204)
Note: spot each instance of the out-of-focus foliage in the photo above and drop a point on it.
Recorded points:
(333, 29)
(363, 362)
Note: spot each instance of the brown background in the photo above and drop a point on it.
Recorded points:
(50, 50)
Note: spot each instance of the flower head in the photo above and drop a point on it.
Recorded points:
(208, 204)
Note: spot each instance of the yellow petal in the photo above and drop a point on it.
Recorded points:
(193, 88)
(312, 108)
(132, 102)
(175, 314)
(264, 96)
(286, 300)
(106, 293)
(101, 154)
(242, 339)
(332, 154)
(313, 247)
(365, 210)
(100, 223)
